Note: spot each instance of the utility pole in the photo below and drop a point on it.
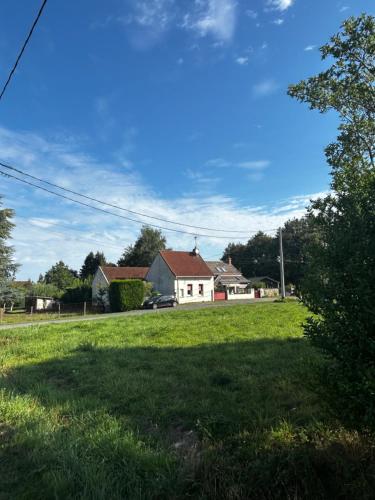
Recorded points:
(282, 278)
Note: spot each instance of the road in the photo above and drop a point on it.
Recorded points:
(101, 317)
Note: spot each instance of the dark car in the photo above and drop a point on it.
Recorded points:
(160, 301)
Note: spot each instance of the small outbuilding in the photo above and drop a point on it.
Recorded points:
(265, 286)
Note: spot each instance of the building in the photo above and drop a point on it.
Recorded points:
(105, 274)
(36, 304)
(182, 274)
(229, 282)
(265, 286)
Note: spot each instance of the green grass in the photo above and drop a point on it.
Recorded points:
(213, 403)
(23, 317)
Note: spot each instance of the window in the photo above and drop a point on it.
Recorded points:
(190, 290)
(182, 293)
(200, 289)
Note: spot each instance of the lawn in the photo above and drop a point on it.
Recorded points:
(213, 403)
(23, 317)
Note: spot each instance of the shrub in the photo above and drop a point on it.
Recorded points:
(80, 293)
(126, 295)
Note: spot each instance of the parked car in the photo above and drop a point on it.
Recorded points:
(160, 301)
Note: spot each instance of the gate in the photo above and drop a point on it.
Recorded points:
(220, 296)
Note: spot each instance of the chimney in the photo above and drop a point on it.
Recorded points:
(196, 249)
(230, 261)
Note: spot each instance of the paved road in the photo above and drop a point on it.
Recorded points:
(101, 317)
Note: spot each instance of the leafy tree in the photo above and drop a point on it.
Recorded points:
(145, 249)
(91, 264)
(7, 267)
(44, 290)
(61, 276)
(257, 258)
(340, 282)
(10, 295)
(298, 235)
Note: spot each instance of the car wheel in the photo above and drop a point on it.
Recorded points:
(154, 306)
(174, 304)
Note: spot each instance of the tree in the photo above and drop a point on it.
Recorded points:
(340, 281)
(91, 264)
(149, 243)
(257, 258)
(298, 236)
(7, 266)
(61, 276)
(10, 295)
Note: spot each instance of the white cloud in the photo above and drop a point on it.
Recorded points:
(308, 48)
(242, 61)
(180, 61)
(56, 229)
(153, 13)
(251, 13)
(212, 17)
(248, 165)
(344, 8)
(278, 22)
(265, 88)
(280, 4)
(254, 165)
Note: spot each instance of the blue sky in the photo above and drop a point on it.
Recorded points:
(175, 108)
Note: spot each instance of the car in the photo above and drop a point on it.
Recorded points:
(160, 301)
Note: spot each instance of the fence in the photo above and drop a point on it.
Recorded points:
(54, 311)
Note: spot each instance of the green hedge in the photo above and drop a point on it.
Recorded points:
(125, 295)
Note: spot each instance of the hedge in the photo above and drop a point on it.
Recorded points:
(125, 295)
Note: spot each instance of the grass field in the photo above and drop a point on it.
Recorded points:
(23, 317)
(215, 403)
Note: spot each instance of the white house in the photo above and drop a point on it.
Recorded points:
(182, 274)
(105, 274)
(230, 284)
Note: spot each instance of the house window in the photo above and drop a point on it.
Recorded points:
(190, 290)
(200, 289)
(182, 293)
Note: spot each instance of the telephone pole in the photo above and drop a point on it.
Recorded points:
(282, 278)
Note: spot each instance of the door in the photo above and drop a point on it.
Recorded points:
(220, 296)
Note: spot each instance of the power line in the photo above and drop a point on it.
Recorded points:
(9, 167)
(5, 174)
(23, 49)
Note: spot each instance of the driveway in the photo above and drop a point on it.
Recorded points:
(140, 312)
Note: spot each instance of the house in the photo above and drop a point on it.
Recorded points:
(33, 304)
(265, 286)
(182, 274)
(230, 284)
(105, 274)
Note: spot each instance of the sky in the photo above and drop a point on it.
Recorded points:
(177, 109)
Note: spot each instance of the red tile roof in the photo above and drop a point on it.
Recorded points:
(186, 264)
(124, 273)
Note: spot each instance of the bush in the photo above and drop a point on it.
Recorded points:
(126, 295)
(81, 293)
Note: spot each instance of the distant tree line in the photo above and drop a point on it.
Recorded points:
(260, 255)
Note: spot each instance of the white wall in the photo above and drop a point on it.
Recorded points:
(99, 281)
(166, 283)
(161, 277)
(208, 290)
(241, 296)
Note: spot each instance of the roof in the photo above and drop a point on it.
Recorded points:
(124, 273)
(186, 264)
(256, 279)
(222, 268)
